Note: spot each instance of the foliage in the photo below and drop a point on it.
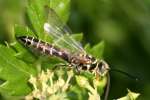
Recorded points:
(13, 71)
(18, 64)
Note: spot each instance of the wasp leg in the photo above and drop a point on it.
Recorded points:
(77, 70)
(65, 66)
(58, 65)
(71, 66)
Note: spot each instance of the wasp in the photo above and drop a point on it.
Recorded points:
(65, 47)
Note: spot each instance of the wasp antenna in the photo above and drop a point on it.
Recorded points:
(125, 73)
(107, 87)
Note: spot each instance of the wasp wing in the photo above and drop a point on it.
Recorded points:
(60, 33)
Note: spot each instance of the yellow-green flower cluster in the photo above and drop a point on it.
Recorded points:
(130, 96)
(84, 83)
(46, 88)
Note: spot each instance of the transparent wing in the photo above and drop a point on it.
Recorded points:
(60, 33)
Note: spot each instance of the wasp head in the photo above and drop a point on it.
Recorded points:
(102, 68)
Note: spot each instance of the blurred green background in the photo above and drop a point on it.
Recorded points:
(123, 24)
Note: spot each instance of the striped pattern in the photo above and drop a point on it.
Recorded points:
(43, 47)
(79, 61)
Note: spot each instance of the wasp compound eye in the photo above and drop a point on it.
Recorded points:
(103, 68)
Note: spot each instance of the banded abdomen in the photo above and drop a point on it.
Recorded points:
(43, 47)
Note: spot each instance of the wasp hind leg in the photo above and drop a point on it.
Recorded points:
(63, 66)
(59, 66)
(77, 70)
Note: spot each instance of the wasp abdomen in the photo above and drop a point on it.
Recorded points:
(43, 47)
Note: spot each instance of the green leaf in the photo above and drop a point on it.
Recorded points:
(87, 47)
(23, 53)
(62, 8)
(36, 14)
(77, 93)
(78, 37)
(97, 50)
(14, 73)
(23, 31)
